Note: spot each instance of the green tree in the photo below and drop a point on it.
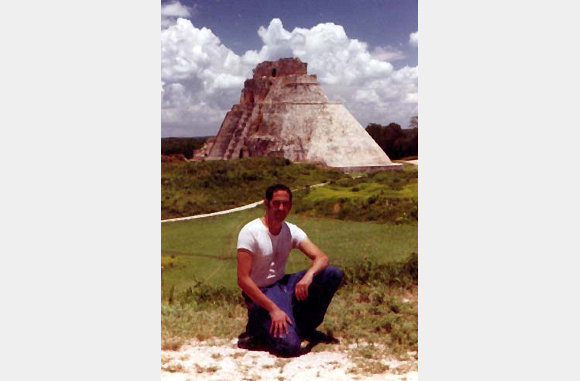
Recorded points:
(394, 140)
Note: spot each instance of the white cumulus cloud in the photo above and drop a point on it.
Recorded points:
(414, 39)
(175, 9)
(202, 78)
(387, 53)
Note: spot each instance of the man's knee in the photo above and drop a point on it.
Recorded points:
(287, 346)
(332, 275)
(335, 272)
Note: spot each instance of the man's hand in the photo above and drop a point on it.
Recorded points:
(278, 327)
(301, 290)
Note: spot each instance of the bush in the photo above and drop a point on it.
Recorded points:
(369, 272)
(202, 294)
(374, 208)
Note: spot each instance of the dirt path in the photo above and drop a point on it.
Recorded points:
(222, 360)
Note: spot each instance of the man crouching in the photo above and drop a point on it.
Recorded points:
(283, 308)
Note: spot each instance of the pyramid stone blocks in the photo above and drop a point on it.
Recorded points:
(283, 111)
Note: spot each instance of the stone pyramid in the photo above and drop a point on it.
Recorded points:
(283, 111)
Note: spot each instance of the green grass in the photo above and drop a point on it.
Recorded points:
(202, 250)
(348, 242)
(215, 236)
(205, 249)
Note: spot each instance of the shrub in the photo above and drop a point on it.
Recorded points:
(184, 146)
(369, 272)
(202, 294)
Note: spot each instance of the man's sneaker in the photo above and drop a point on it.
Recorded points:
(251, 343)
(316, 337)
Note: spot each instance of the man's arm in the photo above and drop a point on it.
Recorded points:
(319, 262)
(279, 317)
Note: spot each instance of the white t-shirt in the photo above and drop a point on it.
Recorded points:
(269, 252)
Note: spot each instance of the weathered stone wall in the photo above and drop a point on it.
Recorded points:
(284, 66)
(296, 89)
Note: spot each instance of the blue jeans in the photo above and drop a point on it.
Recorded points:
(306, 315)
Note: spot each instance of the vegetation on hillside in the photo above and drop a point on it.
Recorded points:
(190, 188)
(389, 196)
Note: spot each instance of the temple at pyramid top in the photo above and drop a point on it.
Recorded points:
(284, 66)
(284, 112)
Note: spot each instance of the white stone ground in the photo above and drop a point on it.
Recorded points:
(222, 360)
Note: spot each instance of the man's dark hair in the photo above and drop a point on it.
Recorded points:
(276, 187)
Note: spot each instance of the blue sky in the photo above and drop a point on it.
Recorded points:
(364, 53)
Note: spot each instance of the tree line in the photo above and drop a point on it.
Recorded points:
(397, 142)
(185, 146)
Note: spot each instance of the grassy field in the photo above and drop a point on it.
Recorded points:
(367, 225)
(205, 249)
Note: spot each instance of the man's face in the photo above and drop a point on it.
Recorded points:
(279, 207)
